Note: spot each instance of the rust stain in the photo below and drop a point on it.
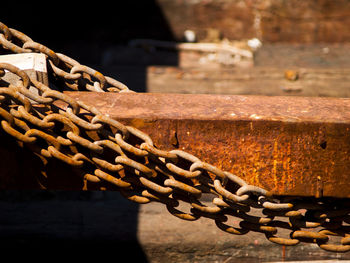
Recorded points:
(275, 162)
(173, 139)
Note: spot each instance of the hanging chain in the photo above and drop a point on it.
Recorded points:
(126, 158)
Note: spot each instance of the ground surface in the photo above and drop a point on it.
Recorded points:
(101, 225)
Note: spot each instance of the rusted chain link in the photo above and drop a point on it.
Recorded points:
(128, 160)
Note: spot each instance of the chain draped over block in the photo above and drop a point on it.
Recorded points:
(138, 169)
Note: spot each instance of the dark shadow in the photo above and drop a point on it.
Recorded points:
(43, 225)
(76, 225)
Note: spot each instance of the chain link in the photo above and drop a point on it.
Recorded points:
(128, 159)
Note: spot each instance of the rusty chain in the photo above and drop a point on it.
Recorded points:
(126, 158)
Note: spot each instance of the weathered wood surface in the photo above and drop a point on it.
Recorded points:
(322, 70)
(253, 81)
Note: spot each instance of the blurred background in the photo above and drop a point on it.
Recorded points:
(267, 42)
(261, 47)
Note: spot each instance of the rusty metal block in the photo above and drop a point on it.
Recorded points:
(288, 145)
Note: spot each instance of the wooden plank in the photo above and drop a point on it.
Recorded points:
(315, 82)
(34, 64)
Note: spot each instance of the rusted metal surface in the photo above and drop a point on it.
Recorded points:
(287, 145)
